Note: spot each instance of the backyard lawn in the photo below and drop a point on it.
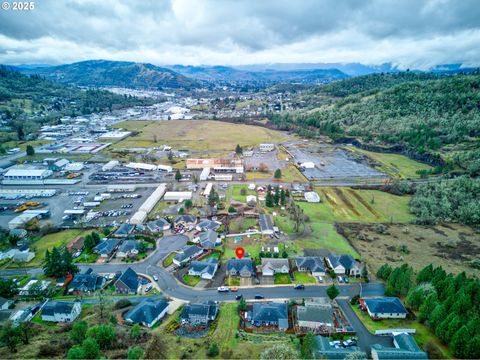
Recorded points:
(423, 335)
(49, 241)
(169, 259)
(303, 278)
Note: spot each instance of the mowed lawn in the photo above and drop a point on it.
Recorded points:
(49, 241)
(197, 134)
(345, 204)
(395, 165)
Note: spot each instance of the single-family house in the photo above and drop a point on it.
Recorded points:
(148, 312)
(128, 282)
(5, 303)
(86, 282)
(272, 266)
(76, 244)
(206, 225)
(186, 254)
(344, 264)
(405, 348)
(199, 314)
(316, 316)
(61, 311)
(240, 267)
(106, 247)
(266, 224)
(124, 230)
(159, 225)
(384, 308)
(208, 239)
(23, 256)
(269, 314)
(128, 248)
(311, 264)
(204, 269)
(185, 219)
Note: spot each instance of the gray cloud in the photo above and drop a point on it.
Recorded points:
(408, 32)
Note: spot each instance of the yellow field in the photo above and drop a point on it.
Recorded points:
(197, 134)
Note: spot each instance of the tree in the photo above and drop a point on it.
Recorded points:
(308, 346)
(279, 352)
(425, 275)
(76, 352)
(277, 174)
(103, 334)
(213, 197)
(269, 199)
(238, 150)
(231, 210)
(59, 262)
(276, 196)
(242, 305)
(332, 292)
(102, 305)
(10, 336)
(91, 349)
(135, 332)
(79, 331)
(181, 211)
(25, 331)
(212, 350)
(283, 197)
(113, 318)
(178, 175)
(30, 150)
(135, 352)
(188, 204)
(8, 288)
(427, 307)
(460, 341)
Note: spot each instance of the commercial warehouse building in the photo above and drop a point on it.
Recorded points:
(198, 164)
(141, 215)
(177, 195)
(27, 174)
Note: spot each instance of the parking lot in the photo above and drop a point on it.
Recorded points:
(330, 163)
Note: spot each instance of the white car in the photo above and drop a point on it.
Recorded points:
(223, 289)
(155, 277)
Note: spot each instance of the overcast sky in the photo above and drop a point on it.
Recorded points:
(408, 33)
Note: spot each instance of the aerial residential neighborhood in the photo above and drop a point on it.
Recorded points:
(218, 179)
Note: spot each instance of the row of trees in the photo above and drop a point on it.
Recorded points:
(448, 304)
(277, 197)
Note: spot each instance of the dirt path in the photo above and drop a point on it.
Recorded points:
(347, 202)
(362, 201)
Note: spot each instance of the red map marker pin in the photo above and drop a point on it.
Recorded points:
(240, 252)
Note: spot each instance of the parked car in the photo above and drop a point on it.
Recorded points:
(148, 288)
(320, 279)
(340, 279)
(259, 297)
(345, 279)
(155, 277)
(233, 289)
(239, 297)
(223, 289)
(299, 287)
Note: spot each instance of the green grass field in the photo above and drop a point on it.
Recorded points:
(395, 165)
(423, 335)
(282, 279)
(48, 242)
(303, 278)
(191, 280)
(196, 134)
(169, 259)
(350, 205)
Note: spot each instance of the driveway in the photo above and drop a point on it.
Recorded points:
(365, 338)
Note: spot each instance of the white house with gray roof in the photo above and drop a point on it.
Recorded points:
(240, 267)
(148, 312)
(186, 254)
(205, 269)
(272, 266)
(311, 264)
(61, 311)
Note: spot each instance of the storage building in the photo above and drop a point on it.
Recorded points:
(177, 195)
(27, 174)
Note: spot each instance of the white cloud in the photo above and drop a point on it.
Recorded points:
(409, 33)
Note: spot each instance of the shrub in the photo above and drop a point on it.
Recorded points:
(212, 350)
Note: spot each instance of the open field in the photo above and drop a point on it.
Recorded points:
(423, 335)
(395, 165)
(345, 204)
(291, 174)
(197, 134)
(49, 241)
(451, 246)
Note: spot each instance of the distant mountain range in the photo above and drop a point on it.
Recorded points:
(103, 73)
(113, 73)
(232, 74)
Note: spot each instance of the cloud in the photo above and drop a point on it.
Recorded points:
(409, 33)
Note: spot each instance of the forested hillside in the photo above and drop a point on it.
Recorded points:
(425, 113)
(26, 102)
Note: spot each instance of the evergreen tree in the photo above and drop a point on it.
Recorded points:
(30, 150)
(332, 292)
(178, 175)
(460, 344)
(238, 150)
(308, 346)
(426, 309)
(283, 198)
(278, 174)
(384, 271)
(269, 200)
(276, 196)
(426, 274)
